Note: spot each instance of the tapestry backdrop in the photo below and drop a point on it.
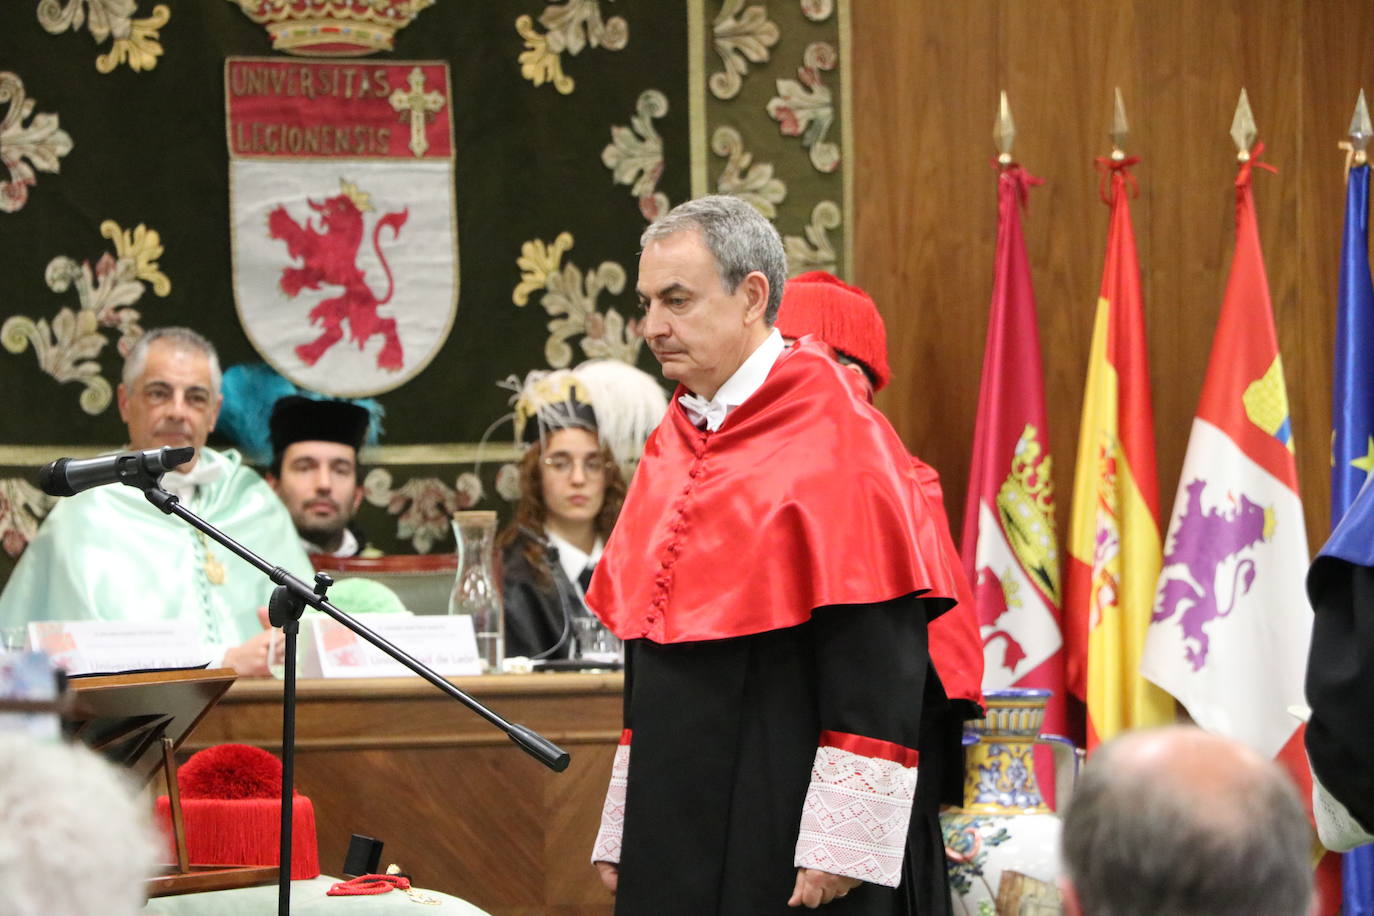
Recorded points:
(418, 206)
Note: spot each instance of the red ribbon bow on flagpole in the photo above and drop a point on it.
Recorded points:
(1106, 166)
(1244, 175)
(1023, 180)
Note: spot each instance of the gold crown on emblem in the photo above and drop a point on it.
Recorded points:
(332, 28)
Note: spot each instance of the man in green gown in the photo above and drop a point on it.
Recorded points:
(107, 554)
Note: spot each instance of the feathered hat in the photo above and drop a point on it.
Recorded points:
(251, 392)
(613, 399)
(841, 315)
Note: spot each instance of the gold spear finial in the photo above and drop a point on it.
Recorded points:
(1120, 128)
(1004, 131)
(1361, 131)
(1243, 129)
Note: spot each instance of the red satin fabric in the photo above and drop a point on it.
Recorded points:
(956, 646)
(864, 746)
(804, 498)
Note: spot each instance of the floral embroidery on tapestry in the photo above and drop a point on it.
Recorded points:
(805, 108)
(67, 348)
(571, 299)
(135, 40)
(42, 143)
(423, 505)
(743, 177)
(22, 507)
(815, 252)
(635, 154)
(740, 41)
(571, 28)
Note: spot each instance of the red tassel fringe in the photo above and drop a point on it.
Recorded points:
(244, 832)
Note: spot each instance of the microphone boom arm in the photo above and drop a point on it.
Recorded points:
(545, 751)
(288, 602)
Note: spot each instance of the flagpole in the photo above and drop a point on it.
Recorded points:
(1121, 129)
(1243, 129)
(1355, 146)
(1004, 133)
(1010, 546)
(1350, 414)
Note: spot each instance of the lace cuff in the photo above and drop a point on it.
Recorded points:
(607, 846)
(854, 821)
(1337, 828)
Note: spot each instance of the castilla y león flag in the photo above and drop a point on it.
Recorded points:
(1009, 545)
(1229, 632)
(1230, 627)
(1114, 541)
(345, 238)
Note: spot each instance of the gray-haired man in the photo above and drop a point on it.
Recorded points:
(108, 554)
(1179, 821)
(765, 576)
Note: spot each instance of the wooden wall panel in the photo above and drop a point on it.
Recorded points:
(926, 77)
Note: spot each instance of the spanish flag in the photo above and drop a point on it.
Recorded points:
(1114, 538)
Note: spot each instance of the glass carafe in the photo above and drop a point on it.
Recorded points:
(475, 590)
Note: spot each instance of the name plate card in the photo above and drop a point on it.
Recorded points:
(93, 646)
(446, 643)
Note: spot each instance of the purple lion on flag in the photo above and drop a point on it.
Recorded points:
(1204, 540)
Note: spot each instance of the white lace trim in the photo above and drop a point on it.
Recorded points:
(855, 818)
(1337, 828)
(607, 845)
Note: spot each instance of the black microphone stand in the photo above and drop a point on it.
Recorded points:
(288, 602)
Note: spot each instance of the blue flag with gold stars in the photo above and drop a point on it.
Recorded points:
(1352, 433)
(1352, 399)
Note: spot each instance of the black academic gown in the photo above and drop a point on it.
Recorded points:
(1340, 684)
(537, 618)
(729, 768)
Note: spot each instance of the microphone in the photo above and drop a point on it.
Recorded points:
(68, 476)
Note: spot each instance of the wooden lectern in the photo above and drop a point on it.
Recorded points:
(138, 720)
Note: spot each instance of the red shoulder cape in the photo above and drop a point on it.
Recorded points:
(956, 645)
(805, 497)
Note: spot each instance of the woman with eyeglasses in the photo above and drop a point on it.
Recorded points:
(571, 490)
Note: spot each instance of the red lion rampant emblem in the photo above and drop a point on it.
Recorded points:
(328, 255)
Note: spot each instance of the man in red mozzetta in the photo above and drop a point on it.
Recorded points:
(819, 305)
(772, 574)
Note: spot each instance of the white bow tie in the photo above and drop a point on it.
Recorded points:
(702, 412)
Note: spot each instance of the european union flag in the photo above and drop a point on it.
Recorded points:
(1352, 435)
(1352, 400)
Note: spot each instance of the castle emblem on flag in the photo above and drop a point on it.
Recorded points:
(1209, 561)
(344, 224)
(1266, 404)
(998, 596)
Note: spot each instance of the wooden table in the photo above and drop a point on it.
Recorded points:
(456, 803)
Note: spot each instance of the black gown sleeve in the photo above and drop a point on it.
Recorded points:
(872, 665)
(534, 615)
(1340, 685)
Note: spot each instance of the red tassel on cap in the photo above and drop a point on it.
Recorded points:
(231, 803)
(843, 316)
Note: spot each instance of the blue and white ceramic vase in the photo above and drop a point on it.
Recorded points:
(1002, 844)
